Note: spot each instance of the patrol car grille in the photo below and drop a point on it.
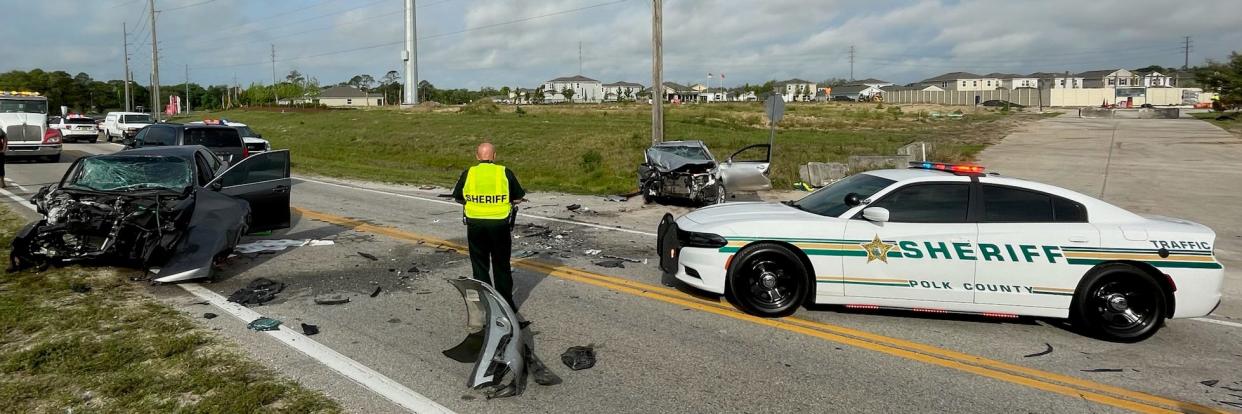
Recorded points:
(24, 133)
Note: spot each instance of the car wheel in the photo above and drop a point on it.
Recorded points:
(648, 191)
(109, 137)
(53, 158)
(721, 196)
(768, 280)
(1118, 302)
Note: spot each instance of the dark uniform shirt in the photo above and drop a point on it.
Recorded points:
(516, 192)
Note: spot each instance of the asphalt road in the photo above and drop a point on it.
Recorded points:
(669, 349)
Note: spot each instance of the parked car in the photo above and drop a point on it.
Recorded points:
(687, 170)
(75, 128)
(177, 208)
(224, 141)
(122, 125)
(254, 141)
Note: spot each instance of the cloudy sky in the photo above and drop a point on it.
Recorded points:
(473, 43)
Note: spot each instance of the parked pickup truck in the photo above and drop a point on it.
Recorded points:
(124, 125)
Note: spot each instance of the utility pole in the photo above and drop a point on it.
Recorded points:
(657, 69)
(410, 55)
(275, 94)
(1186, 51)
(128, 78)
(579, 57)
(155, 66)
(851, 62)
(187, 89)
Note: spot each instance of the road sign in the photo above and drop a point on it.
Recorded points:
(775, 108)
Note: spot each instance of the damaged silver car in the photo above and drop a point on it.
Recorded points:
(687, 170)
(176, 208)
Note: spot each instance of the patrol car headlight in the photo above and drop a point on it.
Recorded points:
(696, 239)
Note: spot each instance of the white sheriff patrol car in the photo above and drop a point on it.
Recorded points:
(949, 238)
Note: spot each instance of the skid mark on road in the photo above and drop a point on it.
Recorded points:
(1011, 373)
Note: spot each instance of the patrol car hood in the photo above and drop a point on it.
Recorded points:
(737, 213)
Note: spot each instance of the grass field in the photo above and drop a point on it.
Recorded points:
(78, 339)
(595, 149)
(1232, 125)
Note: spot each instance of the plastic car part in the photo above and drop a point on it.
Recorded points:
(502, 354)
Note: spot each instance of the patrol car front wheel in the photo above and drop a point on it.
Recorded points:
(1119, 303)
(768, 280)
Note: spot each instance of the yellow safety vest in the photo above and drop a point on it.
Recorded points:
(487, 192)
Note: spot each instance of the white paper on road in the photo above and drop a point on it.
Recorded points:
(278, 245)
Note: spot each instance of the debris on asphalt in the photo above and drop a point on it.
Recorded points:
(539, 371)
(579, 357)
(394, 320)
(522, 254)
(368, 255)
(264, 324)
(628, 259)
(377, 291)
(1210, 383)
(573, 207)
(334, 299)
(1103, 370)
(209, 315)
(446, 195)
(412, 269)
(446, 251)
(427, 187)
(79, 287)
(592, 252)
(611, 263)
(1041, 353)
(308, 329)
(257, 292)
(278, 245)
(616, 198)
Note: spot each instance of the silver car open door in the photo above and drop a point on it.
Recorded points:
(748, 169)
(502, 353)
(263, 180)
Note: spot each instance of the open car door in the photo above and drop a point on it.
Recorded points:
(263, 180)
(747, 169)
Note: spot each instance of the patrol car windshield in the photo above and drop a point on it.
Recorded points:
(830, 200)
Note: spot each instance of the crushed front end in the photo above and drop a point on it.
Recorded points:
(679, 170)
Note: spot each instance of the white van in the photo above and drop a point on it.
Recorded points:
(121, 125)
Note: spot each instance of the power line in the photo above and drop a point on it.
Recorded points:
(232, 33)
(188, 6)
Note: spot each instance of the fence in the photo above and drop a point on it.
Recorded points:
(1053, 97)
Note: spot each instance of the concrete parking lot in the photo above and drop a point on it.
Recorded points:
(662, 349)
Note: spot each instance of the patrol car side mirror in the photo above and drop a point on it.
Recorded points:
(851, 199)
(875, 214)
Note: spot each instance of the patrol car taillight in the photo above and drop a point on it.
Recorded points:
(955, 168)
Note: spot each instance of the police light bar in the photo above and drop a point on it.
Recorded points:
(19, 93)
(211, 122)
(954, 168)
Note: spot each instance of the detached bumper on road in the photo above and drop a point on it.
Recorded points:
(18, 150)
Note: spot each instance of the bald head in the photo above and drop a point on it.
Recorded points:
(485, 152)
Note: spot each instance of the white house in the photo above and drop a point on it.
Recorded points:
(1153, 79)
(1058, 80)
(964, 81)
(1109, 78)
(621, 91)
(585, 89)
(1014, 81)
(797, 90)
(349, 96)
(521, 96)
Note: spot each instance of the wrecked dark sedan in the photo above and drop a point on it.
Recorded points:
(173, 208)
(687, 170)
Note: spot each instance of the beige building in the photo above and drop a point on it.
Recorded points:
(964, 81)
(348, 96)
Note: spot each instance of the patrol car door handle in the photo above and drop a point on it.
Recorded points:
(1078, 239)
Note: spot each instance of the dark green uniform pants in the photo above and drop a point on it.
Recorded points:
(490, 245)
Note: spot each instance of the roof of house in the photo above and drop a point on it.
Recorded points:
(871, 81)
(952, 76)
(794, 80)
(342, 92)
(575, 78)
(1050, 75)
(1003, 75)
(676, 87)
(1149, 72)
(624, 83)
(912, 87)
(1097, 73)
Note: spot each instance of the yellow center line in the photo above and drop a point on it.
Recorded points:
(1015, 374)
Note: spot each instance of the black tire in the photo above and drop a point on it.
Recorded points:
(1120, 303)
(720, 194)
(647, 189)
(53, 158)
(93, 139)
(768, 280)
(109, 136)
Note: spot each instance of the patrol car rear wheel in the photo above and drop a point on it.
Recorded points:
(768, 280)
(1120, 303)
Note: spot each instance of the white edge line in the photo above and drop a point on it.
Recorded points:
(577, 223)
(20, 201)
(1218, 322)
(361, 374)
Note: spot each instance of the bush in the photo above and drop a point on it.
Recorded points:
(895, 112)
(592, 160)
(520, 112)
(481, 107)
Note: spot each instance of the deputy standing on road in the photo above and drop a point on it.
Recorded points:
(4, 147)
(489, 191)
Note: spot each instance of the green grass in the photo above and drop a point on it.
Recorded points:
(1234, 126)
(555, 147)
(114, 349)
